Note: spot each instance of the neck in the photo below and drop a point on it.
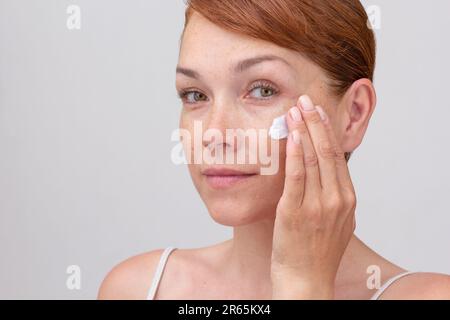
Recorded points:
(250, 252)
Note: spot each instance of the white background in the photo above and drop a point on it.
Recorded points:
(85, 124)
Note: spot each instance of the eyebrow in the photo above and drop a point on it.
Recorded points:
(240, 67)
(188, 72)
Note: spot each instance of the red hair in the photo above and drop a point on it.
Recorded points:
(334, 34)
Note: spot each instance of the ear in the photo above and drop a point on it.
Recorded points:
(355, 110)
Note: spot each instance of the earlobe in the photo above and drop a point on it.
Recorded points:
(358, 106)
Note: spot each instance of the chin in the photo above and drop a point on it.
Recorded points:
(234, 213)
(242, 202)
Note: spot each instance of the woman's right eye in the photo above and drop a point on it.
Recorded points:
(192, 96)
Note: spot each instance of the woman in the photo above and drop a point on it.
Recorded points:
(242, 64)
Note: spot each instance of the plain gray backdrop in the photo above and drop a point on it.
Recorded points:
(86, 118)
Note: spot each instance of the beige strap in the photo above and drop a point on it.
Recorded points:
(388, 283)
(158, 273)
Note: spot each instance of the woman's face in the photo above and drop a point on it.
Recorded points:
(223, 90)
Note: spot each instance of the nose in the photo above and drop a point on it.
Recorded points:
(222, 115)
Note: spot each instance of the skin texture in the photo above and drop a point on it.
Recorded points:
(293, 231)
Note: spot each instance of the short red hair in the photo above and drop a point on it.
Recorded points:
(334, 34)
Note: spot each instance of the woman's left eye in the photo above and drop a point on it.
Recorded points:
(192, 96)
(263, 90)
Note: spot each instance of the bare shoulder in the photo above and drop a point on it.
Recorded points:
(419, 286)
(190, 272)
(130, 279)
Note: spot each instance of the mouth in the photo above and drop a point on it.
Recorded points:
(221, 178)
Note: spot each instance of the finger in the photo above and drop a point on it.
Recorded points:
(322, 144)
(312, 179)
(294, 182)
(342, 170)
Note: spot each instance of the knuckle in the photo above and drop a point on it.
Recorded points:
(311, 160)
(296, 153)
(340, 155)
(327, 150)
(334, 202)
(350, 199)
(295, 175)
(314, 118)
(302, 128)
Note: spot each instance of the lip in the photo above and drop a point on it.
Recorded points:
(220, 178)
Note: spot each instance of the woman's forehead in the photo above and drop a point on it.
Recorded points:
(203, 38)
(207, 47)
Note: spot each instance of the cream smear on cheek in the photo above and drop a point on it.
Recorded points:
(279, 129)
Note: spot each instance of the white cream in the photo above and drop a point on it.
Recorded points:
(279, 129)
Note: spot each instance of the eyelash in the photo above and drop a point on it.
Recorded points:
(263, 84)
(183, 94)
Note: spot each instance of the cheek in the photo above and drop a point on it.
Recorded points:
(276, 181)
(187, 137)
(185, 121)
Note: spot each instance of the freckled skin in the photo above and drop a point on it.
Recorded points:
(228, 107)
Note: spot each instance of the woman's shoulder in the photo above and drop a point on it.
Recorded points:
(419, 286)
(131, 278)
(127, 279)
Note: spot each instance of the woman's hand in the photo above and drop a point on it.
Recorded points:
(316, 213)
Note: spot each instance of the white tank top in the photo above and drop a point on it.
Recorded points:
(165, 255)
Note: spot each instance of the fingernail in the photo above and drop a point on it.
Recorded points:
(306, 103)
(296, 137)
(296, 115)
(322, 113)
